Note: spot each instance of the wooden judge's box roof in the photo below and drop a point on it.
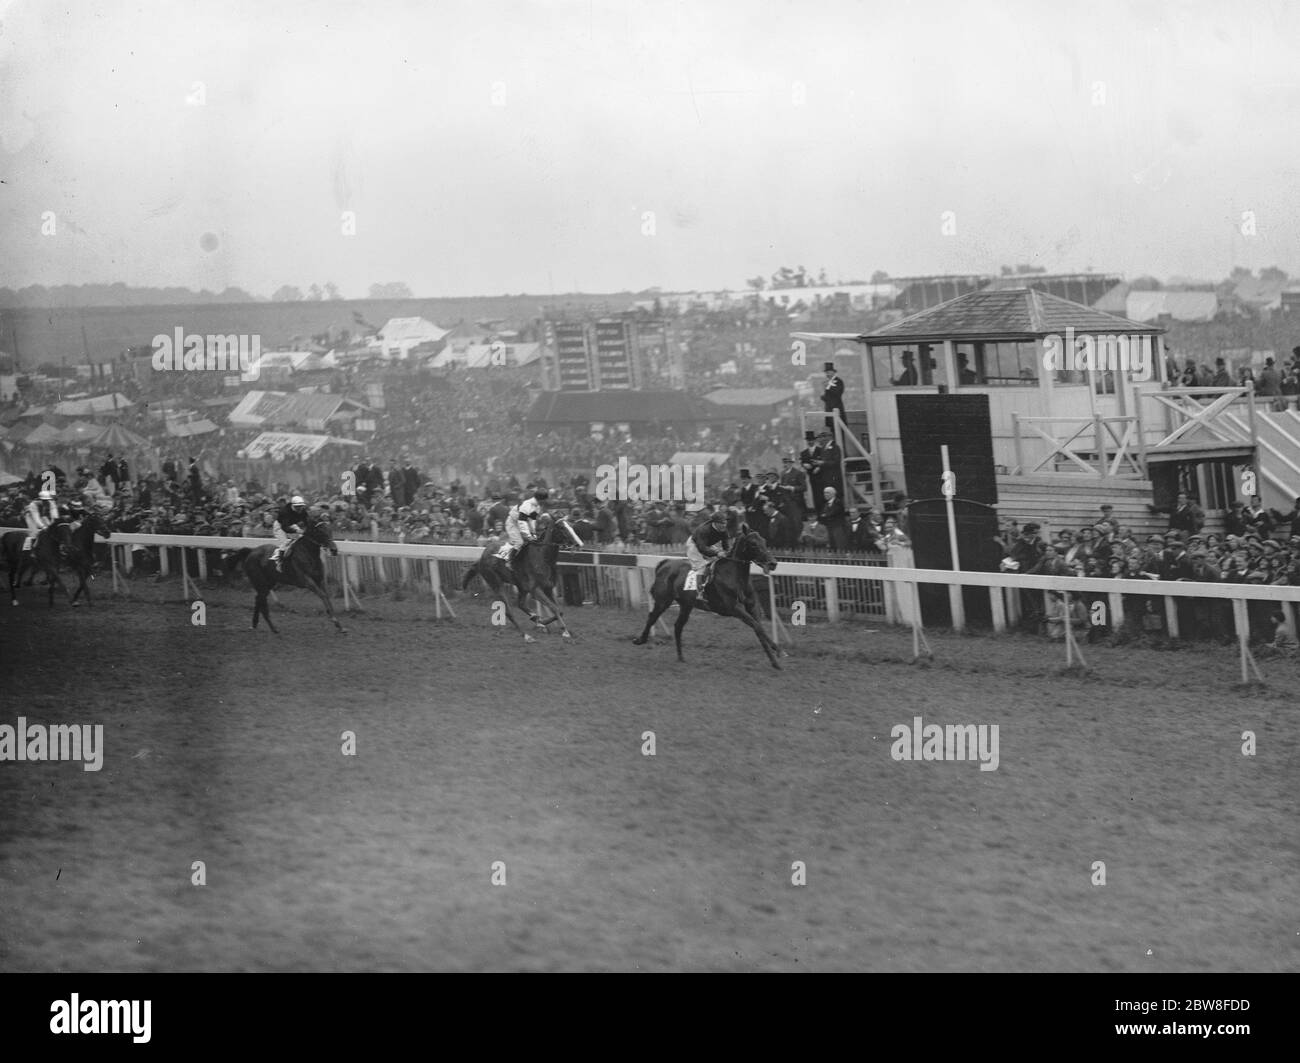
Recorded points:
(1009, 314)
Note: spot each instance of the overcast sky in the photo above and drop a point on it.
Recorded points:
(508, 147)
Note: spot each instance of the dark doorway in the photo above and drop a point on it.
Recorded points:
(977, 547)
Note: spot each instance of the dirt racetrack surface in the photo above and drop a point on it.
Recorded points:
(223, 745)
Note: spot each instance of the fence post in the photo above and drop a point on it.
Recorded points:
(832, 602)
(1242, 620)
(1171, 616)
(998, 609)
(164, 562)
(890, 601)
(1115, 602)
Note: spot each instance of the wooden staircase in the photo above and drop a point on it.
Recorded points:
(1064, 501)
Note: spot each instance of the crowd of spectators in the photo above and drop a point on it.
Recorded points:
(1278, 382)
(1258, 546)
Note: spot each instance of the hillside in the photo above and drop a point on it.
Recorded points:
(48, 335)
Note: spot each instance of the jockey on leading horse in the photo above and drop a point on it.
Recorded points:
(290, 522)
(41, 514)
(521, 524)
(707, 543)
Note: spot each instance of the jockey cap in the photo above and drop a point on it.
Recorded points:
(297, 500)
(46, 495)
(718, 517)
(541, 493)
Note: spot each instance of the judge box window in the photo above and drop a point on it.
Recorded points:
(911, 365)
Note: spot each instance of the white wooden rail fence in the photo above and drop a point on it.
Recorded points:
(902, 602)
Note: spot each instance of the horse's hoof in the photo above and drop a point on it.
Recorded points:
(635, 642)
(529, 638)
(567, 635)
(343, 631)
(14, 602)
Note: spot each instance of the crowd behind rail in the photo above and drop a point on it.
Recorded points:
(1258, 546)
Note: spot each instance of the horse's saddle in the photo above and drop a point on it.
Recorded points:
(29, 544)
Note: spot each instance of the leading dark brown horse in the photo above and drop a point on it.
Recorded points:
(728, 593)
(302, 567)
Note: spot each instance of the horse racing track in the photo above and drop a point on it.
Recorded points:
(502, 811)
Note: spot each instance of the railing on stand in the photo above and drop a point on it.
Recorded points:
(1099, 446)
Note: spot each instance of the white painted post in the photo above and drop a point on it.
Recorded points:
(771, 607)
(435, 581)
(832, 603)
(955, 603)
(1242, 622)
(1171, 617)
(1115, 603)
(999, 612)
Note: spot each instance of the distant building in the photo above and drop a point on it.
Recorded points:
(404, 337)
(599, 355)
(1173, 306)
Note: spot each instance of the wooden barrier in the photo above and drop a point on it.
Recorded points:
(1002, 586)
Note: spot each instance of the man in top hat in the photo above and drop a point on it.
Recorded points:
(808, 462)
(749, 499)
(794, 483)
(832, 393)
(1270, 381)
(1024, 554)
(907, 378)
(827, 470)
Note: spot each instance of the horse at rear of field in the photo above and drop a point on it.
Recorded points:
(531, 571)
(302, 566)
(728, 593)
(44, 556)
(63, 543)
